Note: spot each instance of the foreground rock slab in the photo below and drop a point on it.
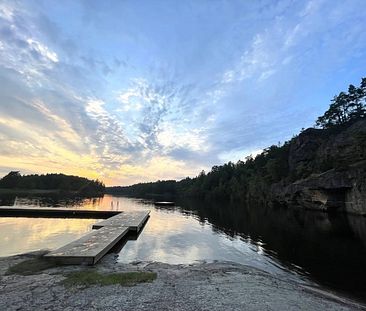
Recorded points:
(202, 286)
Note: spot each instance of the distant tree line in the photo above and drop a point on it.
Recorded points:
(151, 189)
(251, 178)
(229, 181)
(67, 183)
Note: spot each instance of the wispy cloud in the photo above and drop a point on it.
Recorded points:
(112, 91)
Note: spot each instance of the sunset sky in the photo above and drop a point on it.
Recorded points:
(132, 91)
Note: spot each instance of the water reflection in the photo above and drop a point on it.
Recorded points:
(330, 249)
(19, 235)
(51, 200)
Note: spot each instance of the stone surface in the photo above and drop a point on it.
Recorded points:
(201, 286)
(330, 168)
(343, 190)
(316, 150)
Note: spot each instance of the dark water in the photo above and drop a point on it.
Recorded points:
(323, 248)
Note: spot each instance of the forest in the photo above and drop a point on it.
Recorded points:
(252, 177)
(60, 182)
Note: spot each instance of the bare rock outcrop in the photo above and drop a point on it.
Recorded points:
(199, 286)
(329, 169)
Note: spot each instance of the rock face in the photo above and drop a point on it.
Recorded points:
(329, 170)
(355, 197)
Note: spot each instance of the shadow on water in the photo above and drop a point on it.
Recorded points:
(131, 236)
(329, 248)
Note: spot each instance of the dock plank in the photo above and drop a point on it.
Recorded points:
(134, 220)
(15, 211)
(90, 248)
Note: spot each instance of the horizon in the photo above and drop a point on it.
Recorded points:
(129, 92)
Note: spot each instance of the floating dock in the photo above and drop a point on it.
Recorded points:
(55, 212)
(134, 221)
(90, 248)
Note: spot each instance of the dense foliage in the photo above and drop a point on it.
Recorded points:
(345, 107)
(158, 188)
(14, 180)
(252, 178)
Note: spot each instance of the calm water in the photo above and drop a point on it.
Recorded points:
(327, 249)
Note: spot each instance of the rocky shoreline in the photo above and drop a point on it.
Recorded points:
(200, 286)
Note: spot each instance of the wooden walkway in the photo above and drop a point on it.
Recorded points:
(133, 220)
(54, 212)
(90, 248)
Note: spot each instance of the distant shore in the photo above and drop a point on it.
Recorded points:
(200, 286)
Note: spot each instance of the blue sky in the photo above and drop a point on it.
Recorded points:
(132, 91)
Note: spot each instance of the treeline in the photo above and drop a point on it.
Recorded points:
(229, 181)
(151, 189)
(252, 178)
(60, 182)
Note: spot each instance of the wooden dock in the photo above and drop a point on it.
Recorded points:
(134, 220)
(52, 212)
(90, 248)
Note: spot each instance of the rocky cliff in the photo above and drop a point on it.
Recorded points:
(327, 169)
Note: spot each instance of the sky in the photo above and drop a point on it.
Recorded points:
(134, 91)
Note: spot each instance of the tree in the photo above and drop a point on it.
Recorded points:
(345, 107)
(11, 180)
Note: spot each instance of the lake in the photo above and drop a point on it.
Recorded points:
(305, 246)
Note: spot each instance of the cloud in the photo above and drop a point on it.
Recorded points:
(159, 114)
(20, 51)
(111, 141)
(38, 48)
(111, 91)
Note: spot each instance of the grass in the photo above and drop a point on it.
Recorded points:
(88, 278)
(85, 278)
(31, 266)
